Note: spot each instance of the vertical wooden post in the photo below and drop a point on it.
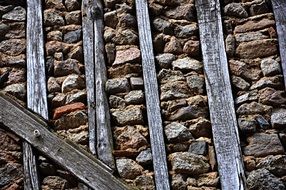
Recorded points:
(152, 97)
(279, 8)
(36, 83)
(220, 99)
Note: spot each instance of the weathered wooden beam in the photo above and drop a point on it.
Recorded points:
(220, 99)
(94, 52)
(152, 97)
(279, 8)
(35, 131)
(36, 83)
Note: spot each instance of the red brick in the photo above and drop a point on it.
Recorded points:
(58, 112)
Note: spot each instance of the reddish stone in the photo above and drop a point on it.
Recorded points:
(58, 112)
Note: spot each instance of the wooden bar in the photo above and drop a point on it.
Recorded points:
(36, 83)
(279, 8)
(35, 131)
(220, 99)
(96, 78)
(152, 97)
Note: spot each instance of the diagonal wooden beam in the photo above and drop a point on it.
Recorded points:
(36, 84)
(152, 97)
(279, 8)
(35, 131)
(220, 99)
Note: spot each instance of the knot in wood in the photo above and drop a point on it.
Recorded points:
(95, 12)
(37, 133)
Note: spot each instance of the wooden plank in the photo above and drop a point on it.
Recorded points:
(35, 131)
(279, 8)
(36, 83)
(93, 32)
(152, 97)
(220, 99)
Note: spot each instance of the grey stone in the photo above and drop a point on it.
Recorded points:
(198, 147)
(159, 43)
(168, 75)
(55, 36)
(270, 67)
(54, 182)
(163, 26)
(5, 9)
(13, 46)
(188, 163)
(178, 182)
(72, 5)
(262, 122)
(247, 125)
(117, 85)
(187, 113)
(272, 97)
(53, 18)
(274, 82)
(239, 83)
(262, 179)
(250, 36)
(136, 83)
(73, 17)
(196, 83)
(145, 182)
(54, 4)
(192, 48)
(253, 108)
(186, 31)
(10, 173)
(145, 157)
(278, 118)
(128, 168)
(127, 21)
(110, 52)
(134, 97)
(174, 90)
(187, 64)
(78, 96)
(71, 120)
(58, 100)
(275, 164)
(230, 45)
(259, 8)
(73, 82)
(66, 67)
(17, 90)
(263, 144)
(116, 102)
(200, 127)
(4, 28)
(165, 60)
(176, 132)
(186, 12)
(73, 36)
(125, 37)
(236, 10)
(247, 97)
(132, 115)
(17, 14)
(53, 85)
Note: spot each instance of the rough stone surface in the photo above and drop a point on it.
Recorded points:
(275, 164)
(73, 82)
(145, 157)
(54, 182)
(13, 46)
(17, 14)
(129, 55)
(278, 118)
(236, 10)
(176, 132)
(117, 85)
(128, 168)
(134, 97)
(71, 120)
(187, 64)
(270, 67)
(165, 60)
(198, 147)
(131, 115)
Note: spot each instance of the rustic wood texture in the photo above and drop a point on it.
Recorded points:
(35, 131)
(36, 83)
(152, 97)
(93, 33)
(220, 99)
(279, 8)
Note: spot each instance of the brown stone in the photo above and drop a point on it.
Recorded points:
(129, 55)
(125, 70)
(13, 46)
(58, 112)
(173, 46)
(254, 25)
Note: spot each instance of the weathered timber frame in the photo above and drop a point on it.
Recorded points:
(35, 131)
(36, 84)
(279, 8)
(220, 99)
(152, 97)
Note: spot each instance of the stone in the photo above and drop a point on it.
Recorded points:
(53, 85)
(126, 70)
(263, 144)
(9, 174)
(117, 102)
(186, 31)
(262, 122)
(109, 34)
(110, 52)
(168, 75)
(250, 36)
(58, 100)
(262, 179)
(54, 182)
(275, 164)
(145, 157)
(174, 90)
(57, 4)
(134, 97)
(236, 10)
(128, 168)
(253, 108)
(274, 82)
(164, 60)
(131, 115)
(71, 120)
(247, 97)
(72, 5)
(5, 9)
(176, 132)
(16, 75)
(259, 8)
(188, 163)
(17, 14)
(249, 163)
(159, 43)
(187, 113)
(53, 18)
(187, 64)
(178, 182)
(230, 45)
(278, 118)
(110, 3)
(58, 112)
(163, 26)
(208, 179)
(18, 90)
(200, 127)
(13, 46)
(73, 17)
(111, 19)
(125, 37)
(247, 125)
(173, 46)
(192, 48)
(270, 67)
(117, 85)
(145, 182)
(73, 82)
(56, 46)
(184, 12)
(73, 36)
(173, 105)
(270, 96)
(76, 96)
(136, 83)
(66, 67)
(4, 28)
(17, 61)
(196, 83)
(76, 53)
(253, 25)
(79, 137)
(257, 48)
(130, 55)
(239, 83)
(198, 147)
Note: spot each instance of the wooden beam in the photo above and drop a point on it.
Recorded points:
(279, 8)
(95, 61)
(71, 157)
(220, 99)
(152, 97)
(36, 84)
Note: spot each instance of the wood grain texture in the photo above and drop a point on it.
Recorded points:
(93, 33)
(279, 8)
(36, 83)
(220, 99)
(35, 131)
(152, 97)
